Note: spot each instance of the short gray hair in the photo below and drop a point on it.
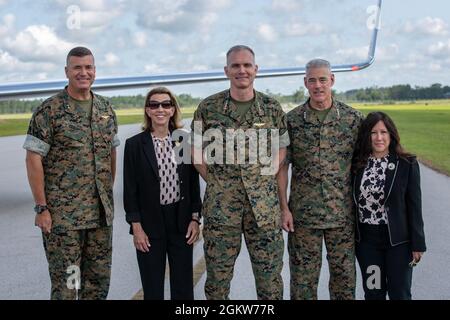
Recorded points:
(318, 63)
(240, 47)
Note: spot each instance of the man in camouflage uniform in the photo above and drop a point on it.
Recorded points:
(239, 197)
(323, 133)
(71, 160)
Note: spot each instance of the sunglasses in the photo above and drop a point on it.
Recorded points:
(155, 104)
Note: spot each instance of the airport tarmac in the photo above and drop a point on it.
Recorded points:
(24, 272)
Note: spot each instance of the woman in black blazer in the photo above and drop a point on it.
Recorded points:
(390, 238)
(162, 200)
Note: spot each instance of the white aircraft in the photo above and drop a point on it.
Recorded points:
(32, 89)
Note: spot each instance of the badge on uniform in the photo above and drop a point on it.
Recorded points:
(391, 166)
(105, 117)
(259, 125)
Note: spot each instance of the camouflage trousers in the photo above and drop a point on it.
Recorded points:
(222, 244)
(305, 260)
(81, 255)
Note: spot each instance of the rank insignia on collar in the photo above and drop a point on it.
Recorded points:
(391, 166)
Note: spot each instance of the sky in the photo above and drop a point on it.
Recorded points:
(168, 36)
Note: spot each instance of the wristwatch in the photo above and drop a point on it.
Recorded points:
(196, 218)
(39, 208)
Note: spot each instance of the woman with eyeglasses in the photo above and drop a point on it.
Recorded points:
(161, 200)
(390, 238)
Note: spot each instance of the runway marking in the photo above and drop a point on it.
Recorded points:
(199, 269)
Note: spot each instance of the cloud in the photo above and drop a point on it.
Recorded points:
(300, 60)
(352, 54)
(8, 62)
(140, 39)
(427, 26)
(90, 17)
(270, 59)
(200, 68)
(7, 24)
(38, 43)
(335, 40)
(15, 70)
(440, 50)
(110, 60)
(407, 65)
(434, 67)
(297, 29)
(180, 16)
(153, 68)
(267, 33)
(286, 5)
(386, 53)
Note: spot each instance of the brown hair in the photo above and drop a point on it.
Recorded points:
(175, 120)
(364, 143)
(78, 52)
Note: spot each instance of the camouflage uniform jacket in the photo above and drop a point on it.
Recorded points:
(219, 112)
(76, 159)
(321, 156)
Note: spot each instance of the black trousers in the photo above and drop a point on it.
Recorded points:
(385, 268)
(152, 264)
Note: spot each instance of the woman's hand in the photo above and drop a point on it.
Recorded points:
(193, 232)
(140, 239)
(417, 256)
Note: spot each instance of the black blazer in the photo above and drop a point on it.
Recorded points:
(403, 202)
(141, 194)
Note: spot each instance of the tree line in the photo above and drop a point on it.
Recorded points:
(119, 102)
(403, 92)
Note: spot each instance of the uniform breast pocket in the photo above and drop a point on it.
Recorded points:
(73, 136)
(215, 130)
(303, 140)
(342, 143)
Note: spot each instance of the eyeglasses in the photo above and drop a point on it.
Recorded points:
(155, 104)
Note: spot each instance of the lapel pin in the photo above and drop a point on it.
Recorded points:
(391, 166)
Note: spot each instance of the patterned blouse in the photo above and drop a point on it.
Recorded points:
(169, 183)
(371, 200)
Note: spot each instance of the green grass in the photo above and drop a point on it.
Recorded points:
(424, 127)
(13, 127)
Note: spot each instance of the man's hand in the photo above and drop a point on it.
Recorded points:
(44, 221)
(287, 221)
